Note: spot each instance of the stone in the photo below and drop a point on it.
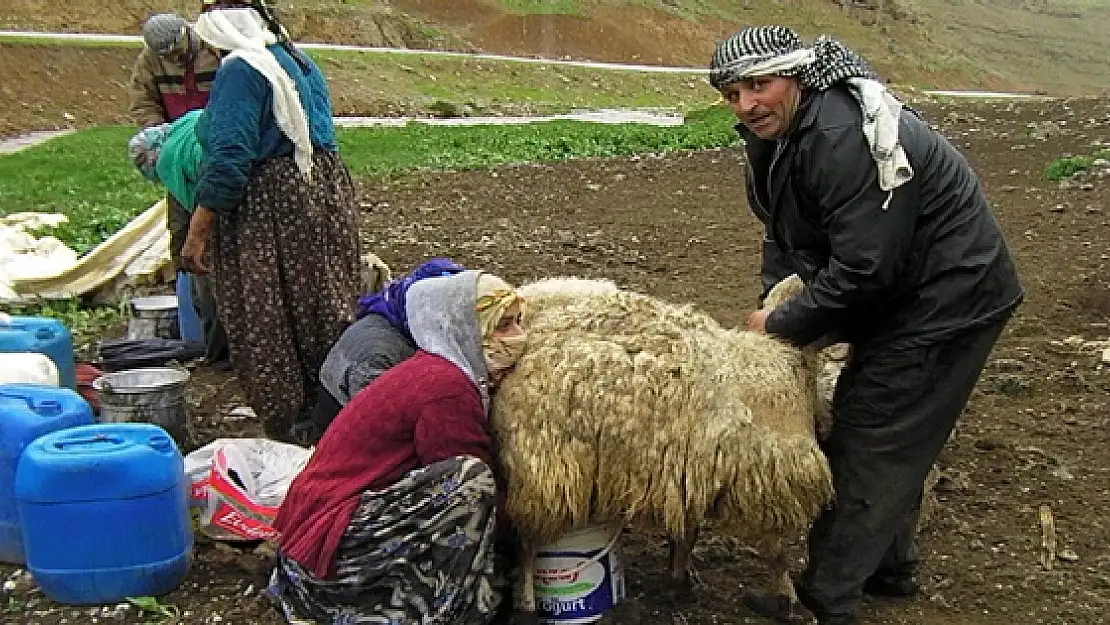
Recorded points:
(988, 444)
(1067, 555)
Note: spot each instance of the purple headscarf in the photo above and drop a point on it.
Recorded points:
(390, 301)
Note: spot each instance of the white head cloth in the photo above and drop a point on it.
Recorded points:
(787, 64)
(243, 32)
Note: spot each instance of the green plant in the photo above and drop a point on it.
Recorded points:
(151, 605)
(1006, 384)
(13, 606)
(446, 108)
(543, 7)
(371, 151)
(100, 194)
(1068, 166)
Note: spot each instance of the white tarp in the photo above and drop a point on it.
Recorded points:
(43, 267)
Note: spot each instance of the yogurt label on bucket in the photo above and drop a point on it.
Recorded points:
(565, 594)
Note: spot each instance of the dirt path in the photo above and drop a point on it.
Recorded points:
(29, 140)
(677, 227)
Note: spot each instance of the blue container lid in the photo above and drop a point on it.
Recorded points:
(99, 462)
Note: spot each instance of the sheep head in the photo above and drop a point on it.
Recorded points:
(825, 357)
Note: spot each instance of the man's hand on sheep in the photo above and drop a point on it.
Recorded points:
(757, 321)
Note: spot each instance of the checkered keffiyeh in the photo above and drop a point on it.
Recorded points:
(778, 51)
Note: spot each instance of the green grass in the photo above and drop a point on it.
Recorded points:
(543, 7)
(38, 40)
(370, 151)
(1067, 166)
(495, 85)
(87, 177)
(697, 9)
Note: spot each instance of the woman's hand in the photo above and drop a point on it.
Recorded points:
(194, 253)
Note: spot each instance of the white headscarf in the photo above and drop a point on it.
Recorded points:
(243, 31)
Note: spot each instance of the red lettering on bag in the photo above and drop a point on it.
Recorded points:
(234, 521)
(199, 490)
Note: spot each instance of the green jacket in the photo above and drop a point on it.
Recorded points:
(179, 160)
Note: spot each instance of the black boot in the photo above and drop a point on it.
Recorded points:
(880, 585)
(811, 604)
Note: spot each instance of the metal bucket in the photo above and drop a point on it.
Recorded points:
(155, 395)
(153, 317)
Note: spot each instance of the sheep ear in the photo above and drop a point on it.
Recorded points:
(787, 288)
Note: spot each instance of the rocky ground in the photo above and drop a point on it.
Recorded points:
(677, 227)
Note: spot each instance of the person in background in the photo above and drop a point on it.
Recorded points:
(173, 76)
(394, 518)
(368, 348)
(277, 207)
(890, 230)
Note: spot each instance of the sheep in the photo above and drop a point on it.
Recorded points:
(625, 408)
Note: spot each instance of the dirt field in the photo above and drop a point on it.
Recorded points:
(677, 227)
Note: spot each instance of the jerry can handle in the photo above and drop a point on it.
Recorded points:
(88, 440)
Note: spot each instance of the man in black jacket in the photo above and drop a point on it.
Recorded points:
(889, 228)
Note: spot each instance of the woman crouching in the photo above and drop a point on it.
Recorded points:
(393, 519)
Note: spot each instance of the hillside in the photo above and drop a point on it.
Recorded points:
(1035, 45)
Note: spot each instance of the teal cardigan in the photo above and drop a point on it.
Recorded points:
(238, 130)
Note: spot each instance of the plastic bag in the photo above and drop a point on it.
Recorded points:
(237, 485)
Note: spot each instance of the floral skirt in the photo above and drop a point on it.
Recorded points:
(287, 277)
(421, 551)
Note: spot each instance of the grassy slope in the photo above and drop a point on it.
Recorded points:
(1055, 46)
(498, 86)
(361, 84)
(1058, 46)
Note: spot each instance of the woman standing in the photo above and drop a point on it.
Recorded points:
(279, 207)
(393, 519)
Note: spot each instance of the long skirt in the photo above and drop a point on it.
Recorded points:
(287, 274)
(421, 551)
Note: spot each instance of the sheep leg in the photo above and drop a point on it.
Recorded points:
(784, 585)
(682, 570)
(524, 613)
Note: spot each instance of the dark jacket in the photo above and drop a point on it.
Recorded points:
(930, 264)
(367, 348)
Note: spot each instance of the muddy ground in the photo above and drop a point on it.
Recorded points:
(676, 226)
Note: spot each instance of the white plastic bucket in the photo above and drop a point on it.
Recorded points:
(28, 368)
(153, 317)
(579, 577)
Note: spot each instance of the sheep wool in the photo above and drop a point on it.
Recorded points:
(628, 408)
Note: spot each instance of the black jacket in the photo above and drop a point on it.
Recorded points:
(930, 264)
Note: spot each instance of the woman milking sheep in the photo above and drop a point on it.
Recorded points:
(394, 518)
